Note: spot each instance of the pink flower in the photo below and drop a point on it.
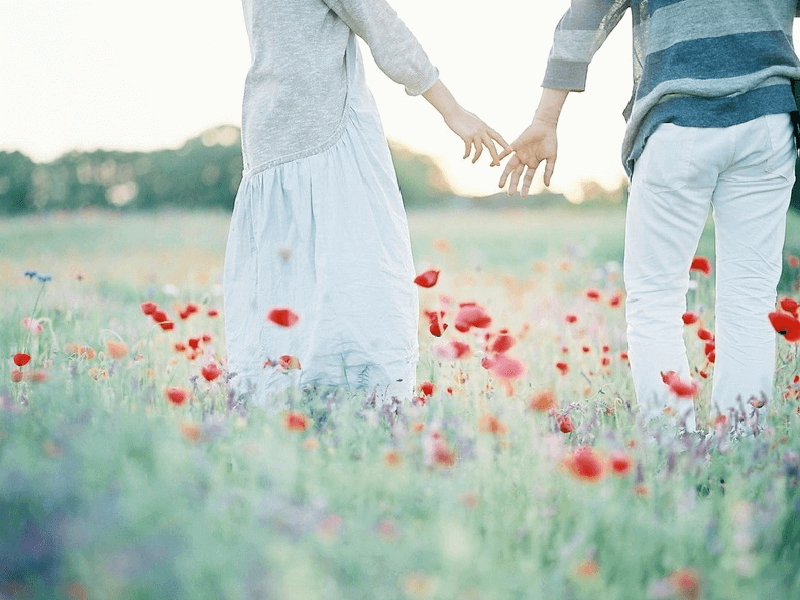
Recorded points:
(471, 315)
(32, 325)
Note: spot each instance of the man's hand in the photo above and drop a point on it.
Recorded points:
(536, 144)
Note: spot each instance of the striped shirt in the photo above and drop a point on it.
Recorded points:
(696, 63)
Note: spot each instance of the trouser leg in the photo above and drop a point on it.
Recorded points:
(671, 191)
(750, 205)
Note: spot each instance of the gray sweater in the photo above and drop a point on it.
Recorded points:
(296, 89)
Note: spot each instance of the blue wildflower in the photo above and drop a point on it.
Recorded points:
(44, 277)
(31, 274)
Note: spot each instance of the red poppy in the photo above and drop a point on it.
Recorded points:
(491, 424)
(570, 318)
(563, 367)
(436, 328)
(786, 325)
(427, 279)
(194, 343)
(295, 421)
(686, 583)
(623, 356)
(701, 263)
(680, 387)
(543, 401)
(149, 308)
(392, 459)
(213, 312)
(606, 348)
(159, 316)
(288, 362)
(37, 376)
(16, 375)
(605, 361)
(284, 317)
(586, 349)
(180, 347)
(565, 423)
(442, 454)
(471, 315)
(453, 350)
(192, 308)
(210, 372)
(176, 395)
(794, 262)
(503, 367)
(705, 334)
(585, 464)
(184, 314)
(593, 294)
(690, 318)
(426, 387)
(167, 325)
(587, 569)
(21, 359)
(503, 342)
(615, 300)
(709, 348)
(620, 463)
(790, 305)
(116, 349)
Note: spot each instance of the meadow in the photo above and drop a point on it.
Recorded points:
(128, 471)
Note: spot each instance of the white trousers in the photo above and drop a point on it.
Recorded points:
(745, 172)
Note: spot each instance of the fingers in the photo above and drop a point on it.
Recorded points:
(515, 175)
(505, 153)
(487, 141)
(467, 148)
(499, 139)
(478, 150)
(526, 182)
(548, 170)
(510, 166)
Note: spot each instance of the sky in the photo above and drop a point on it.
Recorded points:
(87, 74)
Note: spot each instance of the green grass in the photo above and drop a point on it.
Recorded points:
(108, 491)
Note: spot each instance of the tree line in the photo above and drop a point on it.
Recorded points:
(204, 173)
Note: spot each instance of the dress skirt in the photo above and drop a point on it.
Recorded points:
(326, 236)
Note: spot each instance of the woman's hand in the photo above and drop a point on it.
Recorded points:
(475, 133)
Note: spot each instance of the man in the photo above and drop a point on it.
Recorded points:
(708, 124)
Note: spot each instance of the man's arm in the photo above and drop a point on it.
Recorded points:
(579, 34)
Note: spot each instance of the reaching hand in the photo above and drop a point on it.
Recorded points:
(536, 144)
(476, 134)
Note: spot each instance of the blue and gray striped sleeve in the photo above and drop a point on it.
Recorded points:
(579, 34)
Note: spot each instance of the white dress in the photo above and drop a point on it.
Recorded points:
(327, 236)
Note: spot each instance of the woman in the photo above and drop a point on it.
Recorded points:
(318, 225)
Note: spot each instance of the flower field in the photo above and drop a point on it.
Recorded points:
(519, 471)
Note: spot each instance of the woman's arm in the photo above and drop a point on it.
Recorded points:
(395, 49)
(466, 125)
(400, 56)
